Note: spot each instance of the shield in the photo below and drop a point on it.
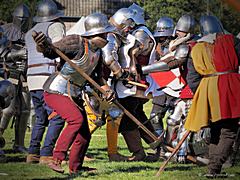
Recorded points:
(169, 82)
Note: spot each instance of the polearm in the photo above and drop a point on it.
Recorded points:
(161, 169)
(98, 87)
(189, 157)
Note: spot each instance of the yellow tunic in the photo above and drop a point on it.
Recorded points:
(205, 105)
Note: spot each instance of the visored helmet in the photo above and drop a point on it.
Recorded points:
(165, 27)
(21, 11)
(210, 24)
(97, 23)
(21, 16)
(186, 24)
(139, 14)
(47, 11)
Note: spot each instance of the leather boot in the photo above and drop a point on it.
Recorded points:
(45, 160)
(32, 158)
(117, 157)
(134, 144)
(56, 166)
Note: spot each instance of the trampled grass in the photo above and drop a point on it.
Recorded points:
(16, 168)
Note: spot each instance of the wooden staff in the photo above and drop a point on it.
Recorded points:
(137, 84)
(189, 157)
(161, 169)
(98, 87)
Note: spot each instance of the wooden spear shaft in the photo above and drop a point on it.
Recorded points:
(189, 157)
(161, 169)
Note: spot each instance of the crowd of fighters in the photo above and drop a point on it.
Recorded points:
(193, 82)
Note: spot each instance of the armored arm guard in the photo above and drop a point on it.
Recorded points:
(171, 62)
(110, 55)
(14, 54)
(71, 45)
(155, 67)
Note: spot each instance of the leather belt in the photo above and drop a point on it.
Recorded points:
(41, 64)
(221, 73)
(39, 74)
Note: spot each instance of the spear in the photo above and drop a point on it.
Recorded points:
(161, 169)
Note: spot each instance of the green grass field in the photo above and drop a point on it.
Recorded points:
(16, 168)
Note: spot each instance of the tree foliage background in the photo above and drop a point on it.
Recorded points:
(229, 17)
(8, 6)
(158, 8)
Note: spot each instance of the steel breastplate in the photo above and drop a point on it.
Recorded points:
(59, 82)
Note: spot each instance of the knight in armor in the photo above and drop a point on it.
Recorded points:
(111, 58)
(39, 69)
(65, 88)
(100, 112)
(139, 49)
(179, 50)
(215, 58)
(15, 64)
(162, 98)
(7, 89)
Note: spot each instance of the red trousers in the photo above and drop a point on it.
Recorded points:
(75, 135)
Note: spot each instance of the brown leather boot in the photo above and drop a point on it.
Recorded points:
(56, 166)
(134, 144)
(117, 157)
(32, 158)
(45, 160)
(88, 158)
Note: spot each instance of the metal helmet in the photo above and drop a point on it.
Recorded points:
(123, 18)
(210, 24)
(47, 11)
(21, 11)
(21, 16)
(185, 23)
(97, 23)
(165, 26)
(139, 14)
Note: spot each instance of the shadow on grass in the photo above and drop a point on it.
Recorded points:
(100, 153)
(132, 169)
(179, 168)
(15, 159)
(55, 178)
(12, 156)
